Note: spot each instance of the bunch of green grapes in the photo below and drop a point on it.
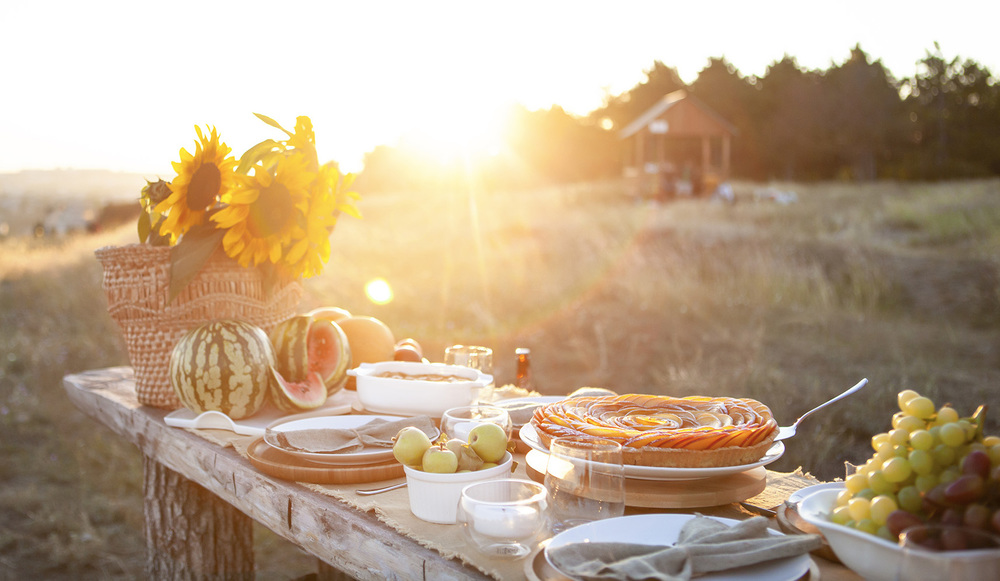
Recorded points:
(932, 466)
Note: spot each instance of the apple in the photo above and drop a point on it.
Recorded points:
(440, 460)
(489, 441)
(409, 445)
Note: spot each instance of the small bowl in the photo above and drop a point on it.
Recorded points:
(874, 558)
(410, 395)
(434, 497)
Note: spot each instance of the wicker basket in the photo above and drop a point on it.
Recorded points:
(137, 286)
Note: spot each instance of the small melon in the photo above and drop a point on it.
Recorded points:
(332, 313)
(293, 397)
(222, 366)
(329, 353)
(303, 344)
(371, 341)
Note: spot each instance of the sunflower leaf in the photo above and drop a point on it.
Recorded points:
(191, 254)
(273, 123)
(254, 154)
(145, 227)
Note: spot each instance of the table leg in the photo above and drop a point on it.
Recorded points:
(190, 532)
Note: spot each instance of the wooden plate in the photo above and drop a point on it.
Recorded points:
(275, 462)
(675, 493)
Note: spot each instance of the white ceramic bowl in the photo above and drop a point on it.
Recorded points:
(411, 397)
(435, 497)
(874, 558)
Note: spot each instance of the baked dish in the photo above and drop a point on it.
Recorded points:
(688, 432)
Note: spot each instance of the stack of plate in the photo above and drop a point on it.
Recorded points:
(324, 467)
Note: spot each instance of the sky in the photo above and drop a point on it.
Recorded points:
(120, 85)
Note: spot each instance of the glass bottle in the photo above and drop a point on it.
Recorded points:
(523, 379)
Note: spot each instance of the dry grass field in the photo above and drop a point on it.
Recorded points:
(789, 304)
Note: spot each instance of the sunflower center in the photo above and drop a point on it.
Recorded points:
(205, 185)
(273, 211)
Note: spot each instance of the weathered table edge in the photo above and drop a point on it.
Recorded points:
(350, 540)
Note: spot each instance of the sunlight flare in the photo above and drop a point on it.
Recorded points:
(378, 291)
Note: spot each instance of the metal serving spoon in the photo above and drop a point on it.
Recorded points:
(380, 490)
(787, 432)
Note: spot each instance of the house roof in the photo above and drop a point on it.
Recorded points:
(673, 104)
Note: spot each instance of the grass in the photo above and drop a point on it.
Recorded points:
(787, 304)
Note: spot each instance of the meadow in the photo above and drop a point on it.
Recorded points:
(789, 304)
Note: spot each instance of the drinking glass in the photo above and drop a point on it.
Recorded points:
(585, 480)
(458, 422)
(473, 356)
(956, 553)
(504, 518)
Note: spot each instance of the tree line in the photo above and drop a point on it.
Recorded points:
(852, 121)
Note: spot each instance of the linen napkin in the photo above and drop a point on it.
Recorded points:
(704, 545)
(376, 434)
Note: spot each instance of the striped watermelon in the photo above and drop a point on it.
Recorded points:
(223, 366)
(305, 344)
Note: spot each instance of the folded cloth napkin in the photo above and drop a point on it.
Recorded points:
(376, 434)
(704, 545)
(520, 411)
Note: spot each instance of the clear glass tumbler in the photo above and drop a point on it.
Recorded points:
(458, 422)
(585, 480)
(504, 518)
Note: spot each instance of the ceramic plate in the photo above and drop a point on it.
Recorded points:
(334, 423)
(799, 495)
(338, 403)
(666, 528)
(530, 437)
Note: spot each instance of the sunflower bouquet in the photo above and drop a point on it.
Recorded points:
(273, 209)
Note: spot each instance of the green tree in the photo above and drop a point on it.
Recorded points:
(622, 109)
(794, 139)
(864, 114)
(736, 98)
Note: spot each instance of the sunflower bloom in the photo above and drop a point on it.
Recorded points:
(304, 141)
(311, 247)
(202, 179)
(264, 212)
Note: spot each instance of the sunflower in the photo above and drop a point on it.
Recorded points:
(265, 210)
(304, 141)
(202, 179)
(311, 246)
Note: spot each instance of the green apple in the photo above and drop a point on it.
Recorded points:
(439, 459)
(489, 441)
(409, 445)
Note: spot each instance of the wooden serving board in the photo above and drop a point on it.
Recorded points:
(274, 462)
(675, 493)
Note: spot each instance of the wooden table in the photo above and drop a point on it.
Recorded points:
(200, 501)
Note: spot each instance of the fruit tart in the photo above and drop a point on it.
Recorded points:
(688, 432)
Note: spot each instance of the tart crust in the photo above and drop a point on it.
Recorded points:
(693, 432)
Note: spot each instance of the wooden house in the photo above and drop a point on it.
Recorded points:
(679, 146)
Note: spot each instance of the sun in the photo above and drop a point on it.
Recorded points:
(461, 132)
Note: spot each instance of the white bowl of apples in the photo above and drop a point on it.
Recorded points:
(436, 472)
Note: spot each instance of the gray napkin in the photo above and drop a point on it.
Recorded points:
(703, 546)
(376, 434)
(520, 411)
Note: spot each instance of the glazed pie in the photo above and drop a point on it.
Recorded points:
(688, 432)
